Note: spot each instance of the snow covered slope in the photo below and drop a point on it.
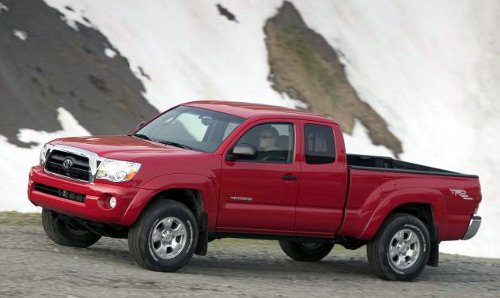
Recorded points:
(14, 185)
(186, 48)
(427, 67)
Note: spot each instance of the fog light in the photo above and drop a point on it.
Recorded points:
(112, 202)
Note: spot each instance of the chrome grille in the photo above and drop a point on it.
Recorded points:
(68, 164)
(82, 164)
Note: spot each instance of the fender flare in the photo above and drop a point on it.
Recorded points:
(150, 189)
(390, 202)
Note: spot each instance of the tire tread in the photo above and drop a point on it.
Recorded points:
(297, 252)
(56, 230)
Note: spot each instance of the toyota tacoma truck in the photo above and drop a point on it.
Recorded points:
(207, 170)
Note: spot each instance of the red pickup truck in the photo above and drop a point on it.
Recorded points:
(207, 170)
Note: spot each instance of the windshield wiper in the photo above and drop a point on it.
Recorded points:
(140, 135)
(145, 137)
(176, 144)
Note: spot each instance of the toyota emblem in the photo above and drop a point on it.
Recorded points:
(67, 163)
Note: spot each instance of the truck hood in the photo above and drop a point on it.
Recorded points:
(123, 147)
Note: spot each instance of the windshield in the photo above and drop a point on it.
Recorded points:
(190, 128)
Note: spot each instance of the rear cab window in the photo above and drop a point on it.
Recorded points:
(319, 144)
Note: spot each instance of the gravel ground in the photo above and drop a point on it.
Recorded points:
(32, 265)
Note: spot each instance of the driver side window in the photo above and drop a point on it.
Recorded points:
(273, 142)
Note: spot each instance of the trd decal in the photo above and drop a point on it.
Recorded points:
(461, 193)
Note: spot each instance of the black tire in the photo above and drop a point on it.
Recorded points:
(378, 249)
(305, 251)
(63, 232)
(143, 248)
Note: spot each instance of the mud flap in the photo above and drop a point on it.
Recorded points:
(202, 245)
(434, 255)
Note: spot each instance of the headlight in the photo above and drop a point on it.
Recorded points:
(44, 152)
(117, 170)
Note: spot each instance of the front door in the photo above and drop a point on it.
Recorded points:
(259, 194)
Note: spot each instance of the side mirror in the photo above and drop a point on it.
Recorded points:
(242, 152)
(141, 125)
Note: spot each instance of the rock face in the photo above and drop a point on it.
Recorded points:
(305, 67)
(45, 64)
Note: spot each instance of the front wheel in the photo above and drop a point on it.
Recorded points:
(401, 248)
(165, 236)
(64, 232)
(306, 251)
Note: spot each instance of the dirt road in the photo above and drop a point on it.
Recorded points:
(32, 265)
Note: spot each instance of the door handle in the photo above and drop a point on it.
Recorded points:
(289, 177)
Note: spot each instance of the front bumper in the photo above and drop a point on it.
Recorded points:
(475, 223)
(94, 208)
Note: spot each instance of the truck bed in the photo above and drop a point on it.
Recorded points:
(383, 163)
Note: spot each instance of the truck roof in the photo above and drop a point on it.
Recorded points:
(248, 110)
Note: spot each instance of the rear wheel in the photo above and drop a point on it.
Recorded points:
(65, 232)
(306, 251)
(401, 248)
(165, 236)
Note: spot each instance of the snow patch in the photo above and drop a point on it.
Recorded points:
(22, 35)
(72, 17)
(3, 8)
(13, 187)
(360, 142)
(70, 22)
(110, 52)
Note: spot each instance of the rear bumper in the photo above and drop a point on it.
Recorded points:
(475, 223)
(95, 207)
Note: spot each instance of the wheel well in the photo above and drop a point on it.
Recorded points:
(424, 213)
(420, 211)
(192, 198)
